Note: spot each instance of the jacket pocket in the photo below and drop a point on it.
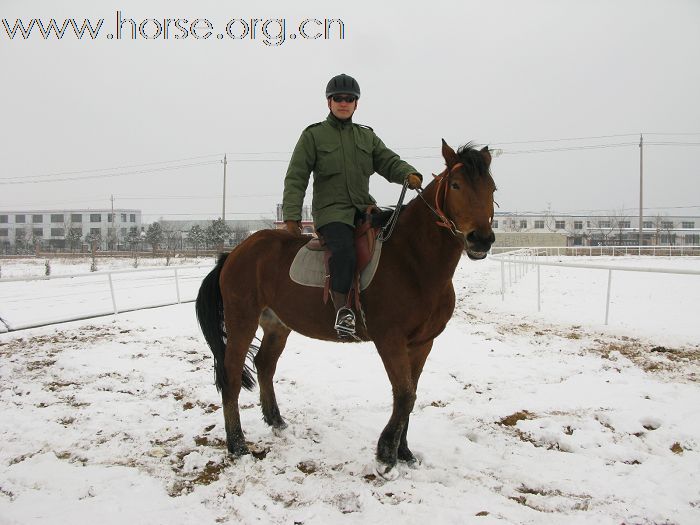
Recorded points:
(327, 160)
(364, 159)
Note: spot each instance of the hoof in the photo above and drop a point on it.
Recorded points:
(387, 472)
(407, 456)
(279, 425)
(237, 449)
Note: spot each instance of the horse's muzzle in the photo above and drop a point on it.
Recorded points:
(478, 244)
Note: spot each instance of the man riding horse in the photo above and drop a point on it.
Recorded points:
(342, 156)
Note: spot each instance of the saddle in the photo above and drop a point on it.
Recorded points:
(366, 233)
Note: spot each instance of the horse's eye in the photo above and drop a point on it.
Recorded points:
(454, 186)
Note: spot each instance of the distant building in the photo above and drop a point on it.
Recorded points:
(307, 221)
(54, 228)
(531, 229)
(551, 229)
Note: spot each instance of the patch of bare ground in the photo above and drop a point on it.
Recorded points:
(512, 420)
(678, 363)
(682, 363)
(210, 473)
(541, 499)
(58, 341)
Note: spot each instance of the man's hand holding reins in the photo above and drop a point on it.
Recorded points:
(414, 180)
(293, 227)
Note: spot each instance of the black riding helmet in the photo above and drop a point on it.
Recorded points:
(342, 84)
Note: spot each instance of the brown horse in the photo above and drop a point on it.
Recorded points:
(407, 305)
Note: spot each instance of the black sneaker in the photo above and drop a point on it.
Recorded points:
(345, 322)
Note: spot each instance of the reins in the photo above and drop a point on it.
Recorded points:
(444, 222)
(388, 228)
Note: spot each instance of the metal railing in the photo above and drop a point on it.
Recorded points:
(5, 325)
(592, 251)
(521, 261)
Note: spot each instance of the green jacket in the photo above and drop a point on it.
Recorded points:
(342, 156)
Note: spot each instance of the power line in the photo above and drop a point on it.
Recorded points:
(108, 175)
(191, 197)
(104, 169)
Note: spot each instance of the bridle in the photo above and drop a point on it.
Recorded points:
(445, 221)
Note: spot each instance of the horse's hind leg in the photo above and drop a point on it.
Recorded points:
(271, 348)
(240, 330)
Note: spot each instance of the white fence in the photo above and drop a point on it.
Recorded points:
(522, 260)
(592, 251)
(27, 304)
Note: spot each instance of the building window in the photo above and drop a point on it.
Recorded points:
(123, 217)
(687, 224)
(539, 225)
(110, 217)
(37, 219)
(3, 219)
(56, 218)
(3, 232)
(578, 225)
(20, 219)
(495, 224)
(559, 225)
(56, 232)
(647, 224)
(667, 224)
(95, 231)
(76, 218)
(38, 232)
(623, 224)
(123, 231)
(523, 224)
(693, 238)
(133, 229)
(95, 217)
(604, 224)
(132, 217)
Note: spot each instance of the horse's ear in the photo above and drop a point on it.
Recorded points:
(486, 155)
(449, 155)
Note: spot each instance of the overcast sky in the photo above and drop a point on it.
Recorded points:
(496, 72)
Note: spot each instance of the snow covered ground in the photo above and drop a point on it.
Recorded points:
(521, 417)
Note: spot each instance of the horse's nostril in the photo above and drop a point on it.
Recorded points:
(475, 237)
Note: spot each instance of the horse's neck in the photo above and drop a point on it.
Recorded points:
(429, 247)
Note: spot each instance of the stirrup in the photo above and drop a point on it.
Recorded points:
(345, 322)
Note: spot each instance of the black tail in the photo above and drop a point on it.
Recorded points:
(210, 314)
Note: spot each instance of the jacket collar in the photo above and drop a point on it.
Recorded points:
(336, 122)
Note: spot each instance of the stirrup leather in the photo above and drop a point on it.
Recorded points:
(345, 322)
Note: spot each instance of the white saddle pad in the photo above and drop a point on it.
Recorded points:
(308, 268)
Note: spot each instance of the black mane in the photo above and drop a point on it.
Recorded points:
(472, 158)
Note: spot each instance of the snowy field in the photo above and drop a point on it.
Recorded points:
(28, 303)
(521, 417)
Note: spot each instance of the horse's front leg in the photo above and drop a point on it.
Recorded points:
(398, 367)
(417, 354)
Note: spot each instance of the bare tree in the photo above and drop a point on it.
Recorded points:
(621, 222)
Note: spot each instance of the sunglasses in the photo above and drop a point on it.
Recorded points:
(344, 98)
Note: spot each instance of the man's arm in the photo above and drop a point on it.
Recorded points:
(297, 179)
(389, 165)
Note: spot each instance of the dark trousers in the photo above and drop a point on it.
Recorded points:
(339, 238)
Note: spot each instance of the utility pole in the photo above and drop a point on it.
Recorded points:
(641, 179)
(112, 236)
(223, 209)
